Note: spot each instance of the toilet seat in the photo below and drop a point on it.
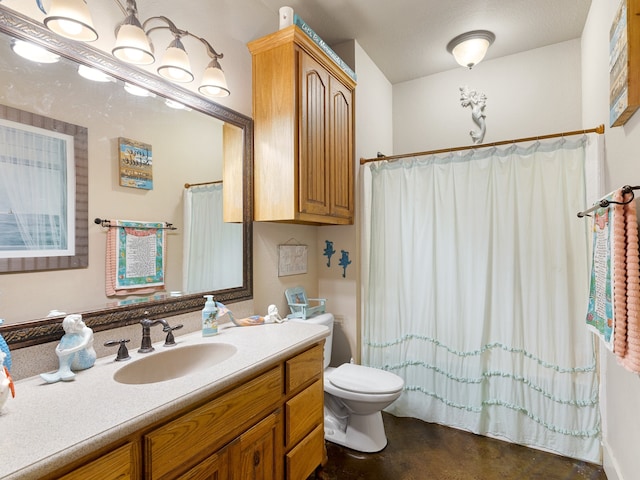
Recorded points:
(366, 380)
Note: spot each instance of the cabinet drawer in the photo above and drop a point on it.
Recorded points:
(306, 456)
(122, 464)
(304, 367)
(304, 412)
(199, 433)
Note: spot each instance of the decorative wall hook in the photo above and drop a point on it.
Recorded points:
(344, 262)
(328, 251)
(477, 101)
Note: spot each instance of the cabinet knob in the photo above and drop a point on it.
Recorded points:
(256, 459)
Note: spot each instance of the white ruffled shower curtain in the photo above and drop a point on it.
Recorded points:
(212, 248)
(476, 291)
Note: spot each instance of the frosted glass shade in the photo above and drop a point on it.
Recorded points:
(214, 83)
(71, 19)
(132, 44)
(470, 48)
(175, 64)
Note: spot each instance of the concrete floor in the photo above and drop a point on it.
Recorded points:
(420, 451)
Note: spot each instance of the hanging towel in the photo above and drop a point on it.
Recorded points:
(626, 288)
(135, 258)
(600, 313)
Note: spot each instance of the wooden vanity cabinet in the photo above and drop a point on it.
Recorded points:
(304, 414)
(303, 106)
(270, 427)
(194, 436)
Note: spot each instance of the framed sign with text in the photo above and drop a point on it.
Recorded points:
(135, 162)
(624, 59)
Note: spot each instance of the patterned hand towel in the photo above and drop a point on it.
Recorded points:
(135, 258)
(600, 313)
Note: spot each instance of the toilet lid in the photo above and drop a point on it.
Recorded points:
(357, 378)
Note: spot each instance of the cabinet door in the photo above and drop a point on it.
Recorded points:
(313, 148)
(215, 467)
(257, 453)
(341, 153)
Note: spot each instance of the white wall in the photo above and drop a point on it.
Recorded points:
(531, 93)
(373, 133)
(620, 389)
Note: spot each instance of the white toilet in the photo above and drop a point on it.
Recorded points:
(354, 396)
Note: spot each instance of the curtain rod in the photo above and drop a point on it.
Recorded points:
(189, 185)
(599, 130)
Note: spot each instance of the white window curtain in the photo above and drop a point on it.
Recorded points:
(34, 197)
(477, 291)
(212, 248)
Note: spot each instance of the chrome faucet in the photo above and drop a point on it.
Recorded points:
(145, 346)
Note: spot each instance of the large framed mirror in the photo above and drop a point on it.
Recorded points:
(212, 123)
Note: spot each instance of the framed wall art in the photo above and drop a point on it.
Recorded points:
(292, 260)
(136, 164)
(624, 63)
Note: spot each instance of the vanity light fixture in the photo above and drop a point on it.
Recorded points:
(175, 65)
(33, 52)
(133, 44)
(71, 19)
(213, 82)
(470, 48)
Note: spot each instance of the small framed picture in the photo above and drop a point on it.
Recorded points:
(292, 260)
(136, 163)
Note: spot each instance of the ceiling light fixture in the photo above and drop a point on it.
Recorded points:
(470, 48)
(134, 46)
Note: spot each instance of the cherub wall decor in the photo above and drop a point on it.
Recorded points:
(477, 102)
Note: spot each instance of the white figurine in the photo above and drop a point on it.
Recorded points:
(6, 384)
(272, 315)
(75, 350)
(477, 102)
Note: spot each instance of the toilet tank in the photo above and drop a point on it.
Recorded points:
(325, 319)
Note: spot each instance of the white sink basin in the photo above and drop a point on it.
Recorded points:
(174, 363)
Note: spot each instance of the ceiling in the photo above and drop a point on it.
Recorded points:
(407, 39)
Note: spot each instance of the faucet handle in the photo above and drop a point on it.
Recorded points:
(123, 352)
(170, 341)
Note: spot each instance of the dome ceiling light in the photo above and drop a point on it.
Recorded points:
(470, 48)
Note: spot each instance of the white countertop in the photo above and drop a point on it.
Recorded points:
(49, 425)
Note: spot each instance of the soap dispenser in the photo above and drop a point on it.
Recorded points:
(209, 317)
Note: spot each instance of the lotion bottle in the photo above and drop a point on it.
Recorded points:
(209, 317)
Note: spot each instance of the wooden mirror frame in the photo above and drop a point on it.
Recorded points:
(35, 332)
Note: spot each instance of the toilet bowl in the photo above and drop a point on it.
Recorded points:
(354, 396)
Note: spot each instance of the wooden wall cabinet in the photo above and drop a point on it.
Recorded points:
(239, 434)
(304, 151)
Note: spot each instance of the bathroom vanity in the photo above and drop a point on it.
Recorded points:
(256, 414)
